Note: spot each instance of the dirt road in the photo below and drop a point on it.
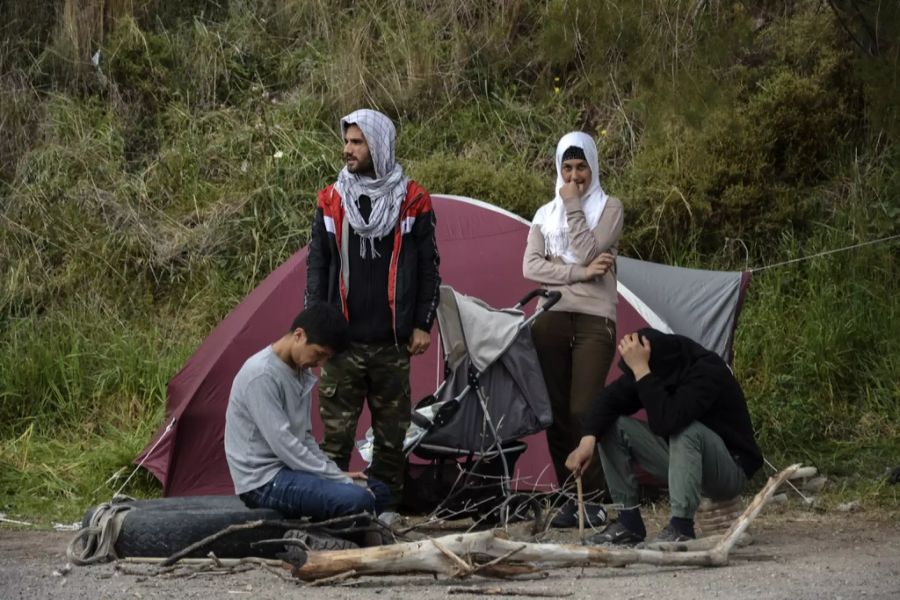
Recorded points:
(796, 555)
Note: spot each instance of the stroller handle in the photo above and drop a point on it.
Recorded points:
(552, 298)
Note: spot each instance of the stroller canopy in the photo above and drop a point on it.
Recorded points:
(506, 381)
(469, 327)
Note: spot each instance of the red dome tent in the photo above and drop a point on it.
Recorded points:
(481, 250)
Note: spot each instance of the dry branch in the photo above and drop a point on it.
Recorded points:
(286, 524)
(462, 567)
(446, 555)
(580, 509)
(191, 567)
(208, 540)
(225, 562)
(488, 565)
(332, 579)
(498, 591)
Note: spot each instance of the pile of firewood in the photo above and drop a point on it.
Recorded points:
(492, 553)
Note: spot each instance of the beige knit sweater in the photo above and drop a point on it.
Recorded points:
(593, 297)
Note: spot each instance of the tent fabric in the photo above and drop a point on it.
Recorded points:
(481, 250)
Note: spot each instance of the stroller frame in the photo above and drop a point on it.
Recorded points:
(473, 384)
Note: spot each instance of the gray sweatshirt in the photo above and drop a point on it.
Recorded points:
(268, 426)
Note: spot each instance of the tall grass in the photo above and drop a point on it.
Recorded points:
(816, 343)
(142, 197)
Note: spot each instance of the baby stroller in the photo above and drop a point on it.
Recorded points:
(493, 393)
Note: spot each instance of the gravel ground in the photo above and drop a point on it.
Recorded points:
(795, 555)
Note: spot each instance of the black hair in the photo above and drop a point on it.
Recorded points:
(573, 152)
(324, 325)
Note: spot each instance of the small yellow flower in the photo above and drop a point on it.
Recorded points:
(603, 132)
(556, 79)
(556, 90)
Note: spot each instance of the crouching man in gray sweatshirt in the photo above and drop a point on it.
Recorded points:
(272, 455)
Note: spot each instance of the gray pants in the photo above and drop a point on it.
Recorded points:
(694, 461)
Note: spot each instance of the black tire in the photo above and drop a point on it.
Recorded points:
(163, 533)
(163, 526)
(178, 503)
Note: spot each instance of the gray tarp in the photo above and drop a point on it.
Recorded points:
(699, 304)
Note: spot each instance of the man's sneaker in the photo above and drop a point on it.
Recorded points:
(615, 534)
(567, 517)
(670, 534)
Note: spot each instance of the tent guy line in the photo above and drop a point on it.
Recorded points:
(166, 432)
(825, 253)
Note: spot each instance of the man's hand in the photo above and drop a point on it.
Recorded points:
(635, 351)
(418, 342)
(571, 190)
(600, 266)
(361, 479)
(580, 458)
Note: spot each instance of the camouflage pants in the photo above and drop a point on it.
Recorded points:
(379, 374)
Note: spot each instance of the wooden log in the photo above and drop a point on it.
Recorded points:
(446, 555)
(716, 516)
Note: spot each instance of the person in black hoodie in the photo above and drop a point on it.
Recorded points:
(698, 435)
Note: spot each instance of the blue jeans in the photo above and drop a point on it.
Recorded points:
(296, 494)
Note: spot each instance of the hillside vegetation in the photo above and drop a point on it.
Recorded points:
(158, 159)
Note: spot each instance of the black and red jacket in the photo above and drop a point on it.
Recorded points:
(414, 279)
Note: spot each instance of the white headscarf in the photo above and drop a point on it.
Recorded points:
(552, 216)
(386, 191)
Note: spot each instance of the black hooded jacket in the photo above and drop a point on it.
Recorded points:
(686, 383)
(406, 282)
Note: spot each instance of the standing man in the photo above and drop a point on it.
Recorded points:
(373, 254)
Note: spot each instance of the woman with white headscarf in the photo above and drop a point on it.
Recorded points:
(571, 249)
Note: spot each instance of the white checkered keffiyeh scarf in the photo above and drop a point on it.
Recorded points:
(386, 191)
